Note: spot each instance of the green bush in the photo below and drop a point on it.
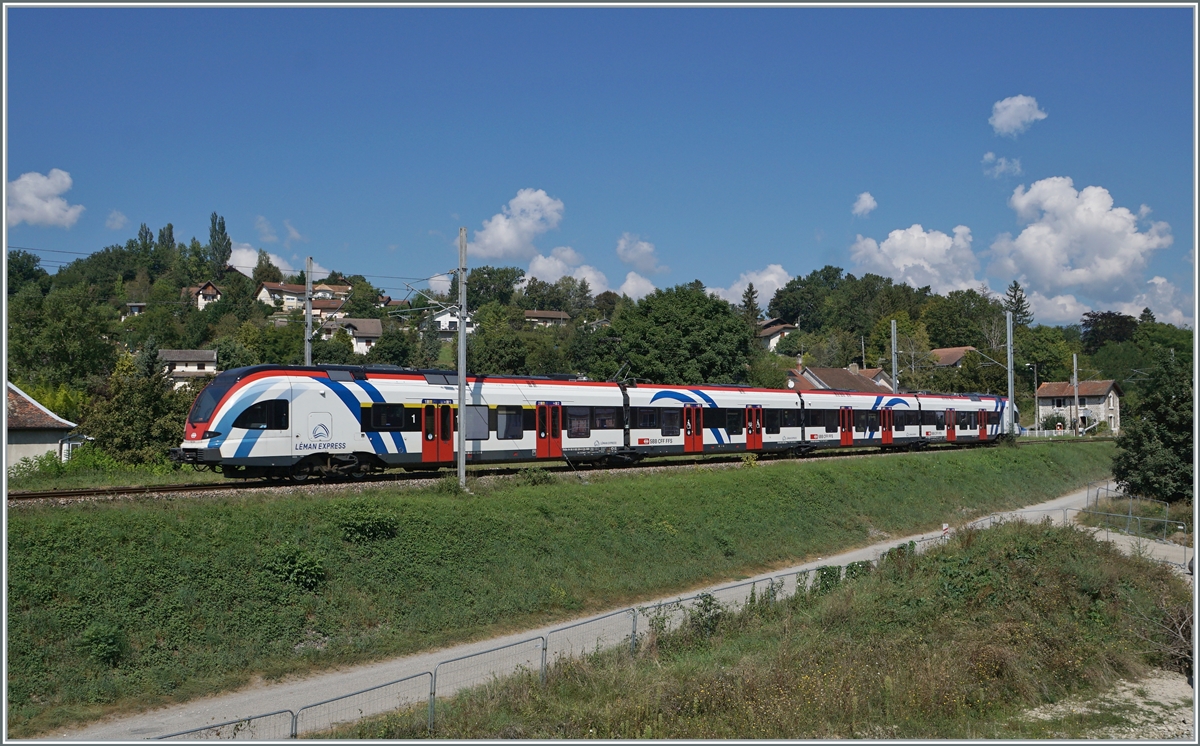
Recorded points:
(828, 577)
(104, 643)
(292, 564)
(532, 476)
(858, 569)
(361, 522)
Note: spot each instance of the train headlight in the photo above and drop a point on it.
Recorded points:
(210, 434)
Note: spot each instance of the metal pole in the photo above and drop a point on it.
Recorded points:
(308, 311)
(1075, 383)
(1010, 415)
(895, 381)
(1037, 409)
(462, 357)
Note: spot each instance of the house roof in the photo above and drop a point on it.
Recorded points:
(357, 327)
(771, 331)
(950, 355)
(1086, 388)
(327, 304)
(802, 383)
(332, 288)
(547, 316)
(841, 379)
(280, 287)
(196, 289)
(188, 356)
(26, 414)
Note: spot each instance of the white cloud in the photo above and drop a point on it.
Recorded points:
(864, 204)
(510, 232)
(1013, 115)
(116, 220)
(293, 235)
(266, 232)
(34, 199)
(766, 282)
(565, 261)
(1168, 303)
(244, 258)
(1061, 309)
(632, 250)
(1076, 239)
(921, 257)
(636, 286)
(440, 284)
(1000, 166)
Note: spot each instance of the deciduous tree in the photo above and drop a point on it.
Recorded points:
(1155, 448)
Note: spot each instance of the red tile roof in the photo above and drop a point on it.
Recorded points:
(1086, 388)
(840, 379)
(26, 414)
(950, 355)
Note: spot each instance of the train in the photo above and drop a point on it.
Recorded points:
(302, 422)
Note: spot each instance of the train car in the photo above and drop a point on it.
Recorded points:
(297, 422)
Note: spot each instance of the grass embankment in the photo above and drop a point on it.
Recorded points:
(117, 606)
(91, 467)
(954, 643)
(1145, 518)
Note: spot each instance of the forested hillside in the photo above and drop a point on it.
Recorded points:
(69, 332)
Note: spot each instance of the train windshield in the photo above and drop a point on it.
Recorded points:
(209, 398)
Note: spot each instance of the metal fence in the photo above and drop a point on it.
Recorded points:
(627, 627)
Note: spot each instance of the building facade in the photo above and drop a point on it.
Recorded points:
(1099, 402)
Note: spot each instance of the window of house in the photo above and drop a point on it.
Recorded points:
(1060, 403)
(199, 366)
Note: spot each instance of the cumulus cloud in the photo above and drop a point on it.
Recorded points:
(864, 204)
(244, 258)
(440, 283)
(116, 220)
(1061, 309)
(34, 199)
(766, 282)
(1013, 115)
(510, 232)
(997, 167)
(919, 257)
(1169, 303)
(641, 254)
(1076, 240)
(565, 261)
(636, 286)
(266, 231)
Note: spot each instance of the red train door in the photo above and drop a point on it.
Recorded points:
(693, 429)
(753, 428)
(549, 431)
(846, 425)
(983, 415)
(951, 425)
(885, 425)
(437, 433)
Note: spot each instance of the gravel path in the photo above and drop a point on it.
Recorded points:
(294, 694)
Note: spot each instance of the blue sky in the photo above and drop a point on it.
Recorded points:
(634, 147)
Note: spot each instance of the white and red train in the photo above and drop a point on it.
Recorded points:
(297, 422)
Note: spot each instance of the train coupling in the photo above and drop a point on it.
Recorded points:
(194, 455)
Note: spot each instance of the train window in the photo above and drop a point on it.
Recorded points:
(790, 417)
(735, 420)
(577, 422)
(860, 421)
(670, 422)
(265, 415)
(606, 418)
(993, 418)
(771, 421)
(866, 421)
(508, 423)
(940, 420)
(530, 418)
(339, 375)
(714, 417)
(447, 427)
(430, 422)
(476, 427)
(390, 417)
(645, 418)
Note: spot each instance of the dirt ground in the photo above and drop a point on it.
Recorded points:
(1158, 707)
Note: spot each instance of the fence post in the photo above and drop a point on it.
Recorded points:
(295, 716)
(544, 645)
(432, 694)
(633, 634)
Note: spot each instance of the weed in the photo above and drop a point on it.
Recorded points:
(362, 522)
(292, 564)
(532, 476)
(749, 460)
(104, 643)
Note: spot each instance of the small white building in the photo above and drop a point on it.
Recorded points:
(364, 333)
(202, 295)
(33, 430)
(1099, 401)
(770, 331)
(184, 365)
(447, 323)
(288, 296)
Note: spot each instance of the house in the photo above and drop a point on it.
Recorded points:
(878, 375)
(34, 430)
(184, 365)
(202, 295)
(447, 323)
(1099, 401)
(547, 318)
(364, 333)
(770, 331)
(134, 308)
(327, 292)
(288, 296)
(838, 379)
(328, 308)
(950, 357)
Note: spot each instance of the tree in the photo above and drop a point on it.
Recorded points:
(265, 270)
(363, 301)
(802, 300)
(1015, 301)
(495, 347)
(337, 350)
(430, 348)
(1098, 327)
(486, 284)
(393, 348)
(957, 319)
(749, 308)
(606, 304)
(24, 268)
(1147, 316)
(220, 246)
(1154, 456)
(232, 353)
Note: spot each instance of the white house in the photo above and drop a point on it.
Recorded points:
(291, 296)
(770, 331)
(364, 333)
(184, 365)
(1099, 401)
(447, 323)
(202, 295)
(33, 430)
(547, 318)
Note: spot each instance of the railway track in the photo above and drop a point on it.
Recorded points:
(65, 496)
